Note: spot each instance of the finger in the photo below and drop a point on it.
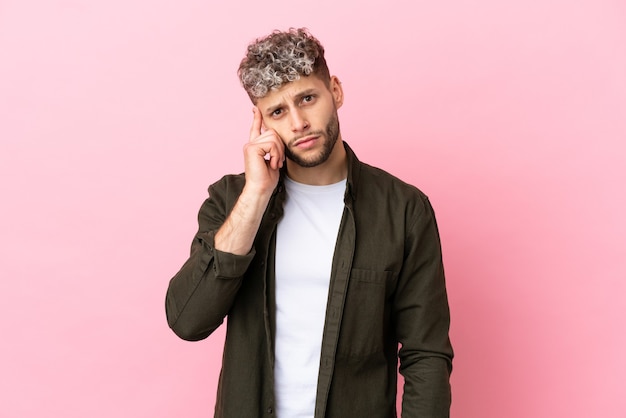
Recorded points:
(270, 146)
(255, 130)
(277, 152)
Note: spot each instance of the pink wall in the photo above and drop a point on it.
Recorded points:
(115, 116)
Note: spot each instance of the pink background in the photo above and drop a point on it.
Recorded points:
(116, 115)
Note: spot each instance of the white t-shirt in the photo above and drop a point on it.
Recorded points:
(305, 244)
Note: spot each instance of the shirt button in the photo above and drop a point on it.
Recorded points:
(270, 410)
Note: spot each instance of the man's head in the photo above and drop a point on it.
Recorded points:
(286, 76)
(280, 58)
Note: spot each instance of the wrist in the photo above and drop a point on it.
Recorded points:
(256, 193)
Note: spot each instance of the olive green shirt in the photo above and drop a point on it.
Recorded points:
(387, 302)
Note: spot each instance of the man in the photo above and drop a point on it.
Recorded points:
(323, 265)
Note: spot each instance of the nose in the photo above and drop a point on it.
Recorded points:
(298, 121)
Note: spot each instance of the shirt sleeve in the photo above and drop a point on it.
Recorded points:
(200, 295)
(423, 320)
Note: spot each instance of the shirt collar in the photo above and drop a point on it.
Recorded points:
(354, 171)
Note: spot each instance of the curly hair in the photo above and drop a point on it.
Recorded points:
(279, 58)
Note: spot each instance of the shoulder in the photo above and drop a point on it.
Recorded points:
(222, 196)
(373, 184)
(376, 183)
(228, 185)
(383, 201)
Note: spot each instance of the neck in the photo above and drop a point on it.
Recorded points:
(330, 171)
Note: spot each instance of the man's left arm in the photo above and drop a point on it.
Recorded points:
(422, 319)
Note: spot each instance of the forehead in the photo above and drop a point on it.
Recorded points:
(291, 91)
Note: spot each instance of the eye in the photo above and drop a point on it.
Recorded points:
(308, 98)
(276, 113)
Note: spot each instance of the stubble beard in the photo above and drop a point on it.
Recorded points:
(331, 133)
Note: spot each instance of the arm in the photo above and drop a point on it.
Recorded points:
(423, 320)
(201, 293)
(238, 232)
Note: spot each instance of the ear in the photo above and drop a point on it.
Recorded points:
(337, 91)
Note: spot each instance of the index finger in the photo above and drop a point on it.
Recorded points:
(255, 130)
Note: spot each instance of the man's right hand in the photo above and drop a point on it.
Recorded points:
(264, 155)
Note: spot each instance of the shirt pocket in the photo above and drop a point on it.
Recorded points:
(365, 325)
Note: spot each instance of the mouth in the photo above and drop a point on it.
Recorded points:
(306, 142)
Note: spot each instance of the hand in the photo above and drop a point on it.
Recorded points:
(264, 155)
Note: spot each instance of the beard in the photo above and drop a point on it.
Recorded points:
(331, 134)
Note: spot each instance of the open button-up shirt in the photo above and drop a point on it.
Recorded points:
(387, 302)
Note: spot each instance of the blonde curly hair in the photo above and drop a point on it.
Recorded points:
(279, 58)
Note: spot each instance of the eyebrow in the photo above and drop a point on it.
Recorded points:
(298, 97)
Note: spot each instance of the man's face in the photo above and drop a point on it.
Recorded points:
(304, 114)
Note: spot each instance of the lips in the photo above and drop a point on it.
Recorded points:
(306, 142)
